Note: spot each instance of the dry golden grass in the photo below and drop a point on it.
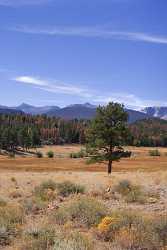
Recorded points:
(140, 160)
(19, 177)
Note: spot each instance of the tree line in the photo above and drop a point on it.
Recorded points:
(28, 131)
(149, 132)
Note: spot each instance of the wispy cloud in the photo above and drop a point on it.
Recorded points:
(53, 86)
(30, 80)
(129, 100)
(87, 94)
(93, 32)
(16, 3)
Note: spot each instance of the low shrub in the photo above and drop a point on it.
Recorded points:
(81, 154)
(13, 179)
(82, 210)
(3, 202)
(11, 216)
(130, 230)
(49, 184)
(46, 191)
(130, 192)
(15, 194)
(66, 188)
(12, 154)
(155, 152)
(109, 227)
(126, 154)
(75, 241)
(38, 237)
(34, 205)
(50, 154)
(39, 154)
(12, 213)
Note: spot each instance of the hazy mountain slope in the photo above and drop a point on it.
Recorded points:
(75, 111)
(160, 112)
(10, 111)
(29, 109)
(136, 115)
(80, 111)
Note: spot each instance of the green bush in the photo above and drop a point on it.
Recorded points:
(155, 152)
(81, 154)
(66, 188)
(39, 154)
(83, 211)
(50, 154)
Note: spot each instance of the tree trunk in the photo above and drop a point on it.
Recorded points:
(109, 167)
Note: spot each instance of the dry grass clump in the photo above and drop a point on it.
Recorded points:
(46, 191)
(130, 192)
(13, 179)
(75, 241)
(39, 236)
(11, 217)
(39, 154)
(3, 202)
(15, 194)
(34, 205)
(154, 152)
(66, 188)
(129, 230)
(82, 211)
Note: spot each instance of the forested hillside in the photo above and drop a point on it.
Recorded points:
(28, 131)
(149, 132)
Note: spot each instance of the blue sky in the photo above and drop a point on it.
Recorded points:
(59, 52)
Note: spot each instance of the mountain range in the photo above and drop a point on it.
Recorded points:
(159, 112)
(82, 111)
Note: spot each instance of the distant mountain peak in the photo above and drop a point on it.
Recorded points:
(25, 105)
(84, 111)
(86, 105)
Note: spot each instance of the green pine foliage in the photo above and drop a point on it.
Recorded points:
(107, 134)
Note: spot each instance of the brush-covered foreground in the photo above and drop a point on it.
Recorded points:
(83, 211)
(73, 206)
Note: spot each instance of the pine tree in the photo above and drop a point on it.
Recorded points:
(107, 134)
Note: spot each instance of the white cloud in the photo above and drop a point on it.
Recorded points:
(15, 3)
(93, 32)
(53, 86)
(30, 80)
(129, 100)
